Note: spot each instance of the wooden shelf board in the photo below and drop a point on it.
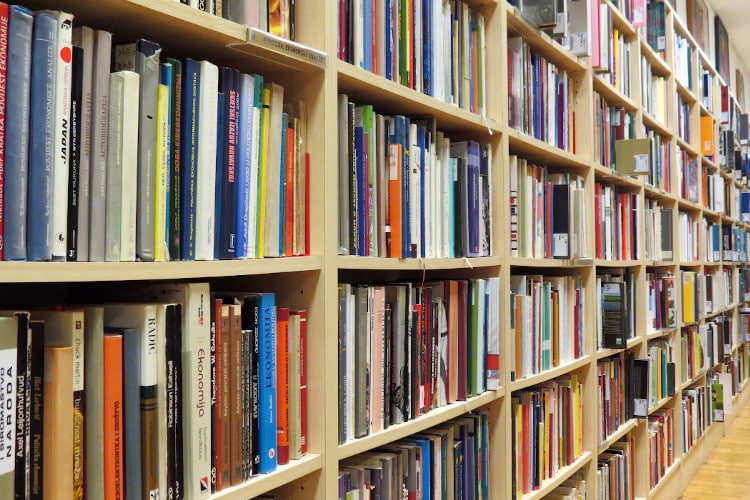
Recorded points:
(538, 151)
(623, 430)
(563, 474)
(61, 272)
(607, 175)
(704, 110)
(613, 95)
(659, 194)
(541, 42)
(660, 263)
(549, 263)
(659, 405)
(651, 122)
(431, 419)
(658, 65)
(389, 97)
(264, 483)
(617, 263)
(664, 332)
(383, 263)
(690, 382)
(538, 378)
(684, 205)
(654, 493)
(620, 21)
(710, 163)
(686, 147)
(687, 95)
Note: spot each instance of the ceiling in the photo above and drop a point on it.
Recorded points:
(735, 14)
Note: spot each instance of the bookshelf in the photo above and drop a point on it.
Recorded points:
(310, 69)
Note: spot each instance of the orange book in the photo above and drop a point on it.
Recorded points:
(707, 136)
(282, 385)
(394, 199)
(57, 452)
(113, 418)
(452, 293)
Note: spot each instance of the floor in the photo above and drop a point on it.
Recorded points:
(726, 475)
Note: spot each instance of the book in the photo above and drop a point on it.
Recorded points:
(175, 159)
(41, 145)
(162, 177)
(93, 379)
(188, 157)
(206, 161)
(228, 169)
(613, 311)
(122, 168)
(58, 424)
(9, 348)
(4, 30)
(113, 416)
(142, 57)
(74, 160)
(16, 137)
(272, 170)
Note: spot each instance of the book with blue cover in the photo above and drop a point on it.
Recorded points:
(227, 224)
(221, 161)
(41, 132)
(17, 132)
(243, 166)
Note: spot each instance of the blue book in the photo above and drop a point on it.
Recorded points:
(188, 157)
(473, 197)
(167, 78)
(41, 132)
(388, 41)
(267, 383)
(744, 206)
(131, 392)
(451, 190)
(361, 178)
(422, 143)
(367, 33)
(221, 170)
(227, 173)
(17, 132)
(244, 153)
(427, 56)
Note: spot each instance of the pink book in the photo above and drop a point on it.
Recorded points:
(595, 30)
(377, 364)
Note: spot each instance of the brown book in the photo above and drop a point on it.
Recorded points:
(236, 404)
(57, 461)
(223, 403)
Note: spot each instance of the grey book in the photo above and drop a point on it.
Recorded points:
(142, 56)
(99, 141)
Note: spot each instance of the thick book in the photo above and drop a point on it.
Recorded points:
(142, 57)
(273, 184)
(58, 424)
(244, 151)
(122, 168)
(205, 223)
(74, 159)
(42, 140)
(139, 325)
(62, 133)
(93, 379)
(83, 38)
(227, 173)
(188, 157)
(16, 137)
(9, 348)
(614, 314)
(99, 143)
(113, 445)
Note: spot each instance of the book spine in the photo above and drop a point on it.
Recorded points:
(99, 144)
(256, 153)
(220, 162)
(267, 384)
(41, 132)
(58, 426)
(10, 348)
(161, 168)
(23, 405)
(4, 26)
(227, 229)
(63, 81)
(251, 434)
(74, 166)
(263, 172)
(175, 135)
(236, 402)
(216, 394)
(273, 209)
(224, 362)
(244, 154)
(205, 223)
(282, 385)
(169, 356)
(16, 136)
(189, 159)
(36, 428)
(113, 417)
(148, 399)
(83, 37)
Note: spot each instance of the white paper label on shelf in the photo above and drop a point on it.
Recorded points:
(641, 163)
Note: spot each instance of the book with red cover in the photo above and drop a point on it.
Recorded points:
(218, 391)
(303, 380)
(232, 318)
(282, 385)
(462, 338)
(113, 418)
(4, 19)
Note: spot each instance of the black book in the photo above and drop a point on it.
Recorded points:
(561, 221)
(670, 379)
(388, 332)
(179, 479)
(23, 405)
(614, 314)
(251, 424)
(226, 174)
(76, 110)
(636, 386)
(37, 408)
(169, 354)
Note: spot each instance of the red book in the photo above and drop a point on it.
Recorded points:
(289, 176)
(282, 385)
(463, 293)
(598, 219)
(307, 203)
(113, 417)
(4, 17)
(218, 397)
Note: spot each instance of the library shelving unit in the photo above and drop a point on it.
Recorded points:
(310, 69)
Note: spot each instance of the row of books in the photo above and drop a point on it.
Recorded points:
(546, 431)
(406, 349)
(658, 237)
(615, 471)
(610, 124)
(696, 415)
(661, 301)
(683, 119)
(547, 218)
(539, 97)
(687, 175)
(660, 164)
(436, 47)
(661, 444)
(705, 293)
(451, 460)
(619, 56)
(408, 191)
(210, 164)
(275, 17)
(184, 407)
(743, 287)
(612, 379)
(615, 294)
(653, 92)
(682, 64)
(661, 374)
(688, 237)
(615, 213)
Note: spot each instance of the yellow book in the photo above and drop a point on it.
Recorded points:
(688, 297)
(578, 418)
(161, 176)
(616, 57)
(265, 122)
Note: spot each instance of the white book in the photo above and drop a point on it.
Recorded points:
(415, 214)
(438, 63)
(63, 83)
(492, 303)
(122, 168)
(206, 176)
(8, 379)
(252, 215)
